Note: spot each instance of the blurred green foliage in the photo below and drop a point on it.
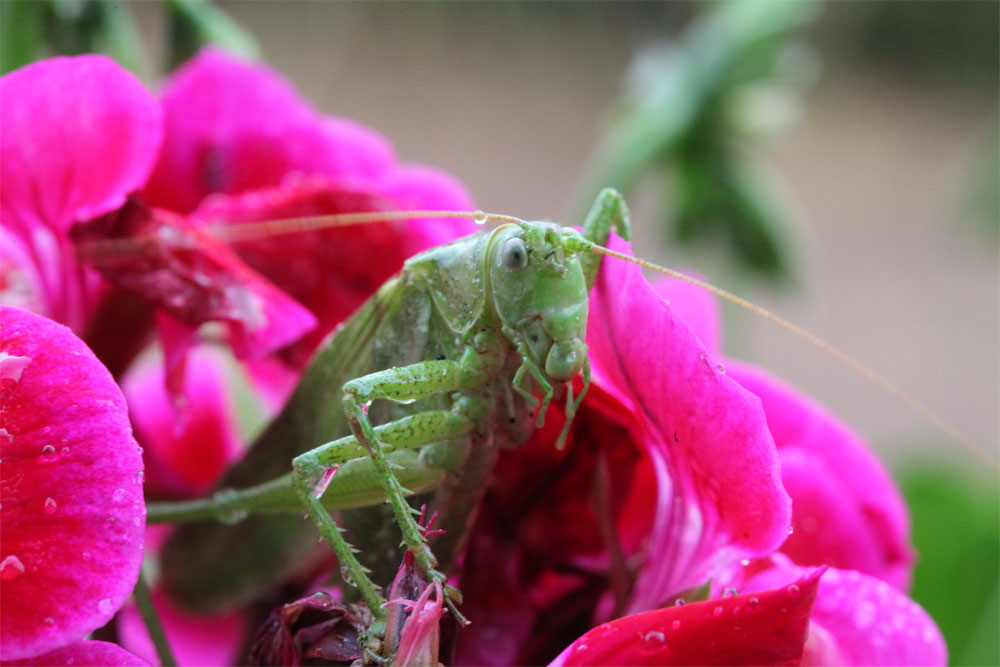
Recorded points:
(34, 29)
(692, 111)
(956, 530)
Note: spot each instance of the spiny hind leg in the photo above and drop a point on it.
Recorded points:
(608, 212)
(405, 384)
(312, 470)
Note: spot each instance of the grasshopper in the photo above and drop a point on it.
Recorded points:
(470, 330)
(418, 391)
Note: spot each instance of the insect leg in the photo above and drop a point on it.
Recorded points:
(609, 211)
(310, 469)
(405, 384)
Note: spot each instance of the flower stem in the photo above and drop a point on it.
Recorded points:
(228, 505)
(149, 616)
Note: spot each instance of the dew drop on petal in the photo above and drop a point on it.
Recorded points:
(679, 602)
(581, 647)
(745, 562)
(717, 612)
(64, 451)
(754, 602)
(105, 606)
(118, 495)
(676, 625)
(138, 477)
(11, 568)
(729, 592)
(654, 640)
(50, 506)
(86, 555)
(721, 368)
(793, 590)
(48, 453)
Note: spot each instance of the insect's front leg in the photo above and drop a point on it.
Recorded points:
(608, 212)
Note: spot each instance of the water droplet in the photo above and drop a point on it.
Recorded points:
(50, 506)
(118, 495)
(736, 611)
(581, 647)
(721, 368)
(479, 217)
(679, 602)
(48, 454)
(138, 477)
(793, 591)
(86, 555)
(753, 602)
(666, 302)
(745, 562)
(49, 621)
(676, 625)
(11, 568)
(654, 638)
(729, 592)
(64, 451)
(105, 606)
(717, 612)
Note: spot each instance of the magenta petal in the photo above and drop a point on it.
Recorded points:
(412, 187)
(861, 620)
(86, 654)
(720, 492)
(766, 628)
(194, 640)
(73, 513)
(233, 126)
(59, 117)
(187, 447)
(697, 307)
(847, 512)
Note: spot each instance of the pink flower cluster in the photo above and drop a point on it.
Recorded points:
(683, 480)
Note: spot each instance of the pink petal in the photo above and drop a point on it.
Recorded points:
(59, 116)
(415, 186)
(194, 640)
(85, 654)
(847, 512)
(186, 447)
(697, 307)
(861, 620)
(233, 126)
(73, 512)
(766, 628)
(720, 492)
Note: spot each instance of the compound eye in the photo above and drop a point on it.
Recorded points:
(514, 255)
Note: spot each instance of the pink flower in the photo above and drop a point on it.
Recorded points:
(59, 117)
(669, 475)
(71, 489)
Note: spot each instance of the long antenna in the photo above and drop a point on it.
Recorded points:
(834, 352)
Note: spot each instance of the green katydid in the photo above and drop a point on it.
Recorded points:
(472, 330)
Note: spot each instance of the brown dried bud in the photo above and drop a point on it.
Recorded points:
(315, 630)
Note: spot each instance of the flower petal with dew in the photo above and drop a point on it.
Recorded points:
(71, 489)
(847, 512)
(857, 619)
(84, 653)
(765, 628)
(720, 496)
(59, 116)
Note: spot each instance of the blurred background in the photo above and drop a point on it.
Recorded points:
(835, 163)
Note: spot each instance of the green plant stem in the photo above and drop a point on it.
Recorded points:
(149, 616)
(229, 505)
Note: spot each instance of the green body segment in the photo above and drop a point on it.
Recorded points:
(458, 343)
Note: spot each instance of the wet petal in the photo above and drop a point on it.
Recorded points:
(860, 620)
(765, 628)
(85, 654)
(720, 493)
(847, 512)
(73, 512)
